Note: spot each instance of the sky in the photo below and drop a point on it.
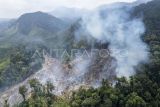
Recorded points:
(15, 8)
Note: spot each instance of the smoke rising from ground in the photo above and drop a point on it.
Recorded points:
(113, 25)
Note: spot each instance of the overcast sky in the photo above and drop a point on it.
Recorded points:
(14, 8)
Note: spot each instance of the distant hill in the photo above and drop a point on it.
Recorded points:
(32, 28)
(5, 23)
(28, 21)
(151, 15)
(68, 14)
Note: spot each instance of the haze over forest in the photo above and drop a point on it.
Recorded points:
(77, 54)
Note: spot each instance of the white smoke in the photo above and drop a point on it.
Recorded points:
(114, 25)
(61, 75)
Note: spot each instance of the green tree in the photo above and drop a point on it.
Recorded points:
(22, 91)
(50, 87)
(135, 101)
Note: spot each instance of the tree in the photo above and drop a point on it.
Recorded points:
(135, 101)
(50, 87)
(22, 91)
(35, 84)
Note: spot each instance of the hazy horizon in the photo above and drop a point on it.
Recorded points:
(12, 9)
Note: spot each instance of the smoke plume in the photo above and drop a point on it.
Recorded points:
(113, 25)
